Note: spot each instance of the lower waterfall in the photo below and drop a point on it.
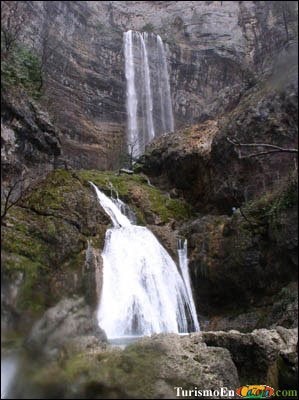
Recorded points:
(143, 291)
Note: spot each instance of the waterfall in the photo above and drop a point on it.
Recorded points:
(149, 107)
(164, 90)
(143, 291)
(131, 91)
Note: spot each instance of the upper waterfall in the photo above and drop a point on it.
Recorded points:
(143, 291)
(149, 107)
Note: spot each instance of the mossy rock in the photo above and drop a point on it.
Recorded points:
(44, 238)
(98, 374)
(148, 203)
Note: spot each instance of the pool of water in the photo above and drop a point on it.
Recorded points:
(124, 341)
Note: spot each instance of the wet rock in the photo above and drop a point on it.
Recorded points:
(93, 275)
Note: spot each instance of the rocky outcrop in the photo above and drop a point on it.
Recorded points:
(69, 319)
(258, 355)
(154, 367)
(200, 164)
(280, 309)
(149, 368)
(179, 162)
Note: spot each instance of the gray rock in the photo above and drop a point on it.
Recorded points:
(150, 368)
(256, 354)
(92, 275)
(70, 318)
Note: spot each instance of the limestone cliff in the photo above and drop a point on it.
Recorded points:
(215, 51)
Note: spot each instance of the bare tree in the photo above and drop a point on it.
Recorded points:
(13, 21)
(18, 189)
(11, 196)
(272, 149)
(127, 155)
(132, 148)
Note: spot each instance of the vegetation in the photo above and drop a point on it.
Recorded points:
(148, 28)
(267, 209)
(22, 68)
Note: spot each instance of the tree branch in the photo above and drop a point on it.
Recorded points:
(277, 149)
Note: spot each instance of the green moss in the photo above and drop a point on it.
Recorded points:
(136, 192)
(51, 195)
(148, 27)
(120, 369)
(22, 67)
(40, 237)
(21, 243)
(75, 261)
(12, 340)
(122, 183)
(269, 207)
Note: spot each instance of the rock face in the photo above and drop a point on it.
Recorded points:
(69, 319)
(215, 49)
(250, 256)
(30, 144)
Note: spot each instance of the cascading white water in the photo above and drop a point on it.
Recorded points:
(164, 89)
(148, 91)
(183, 262)
(149, 107)
(131, 91)
(143, 291)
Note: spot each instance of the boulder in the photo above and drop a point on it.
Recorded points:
(70, 318)
(260, 356)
